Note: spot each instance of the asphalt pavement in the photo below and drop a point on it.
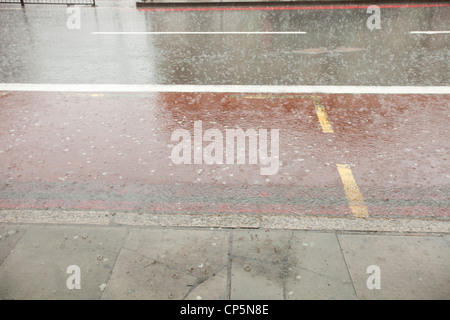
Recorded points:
(224, 152)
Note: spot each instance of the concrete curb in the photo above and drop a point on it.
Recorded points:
(233, 221)
(269, 3)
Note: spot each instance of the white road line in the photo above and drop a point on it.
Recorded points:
(429, 32)
(48, 87)
(198, 32)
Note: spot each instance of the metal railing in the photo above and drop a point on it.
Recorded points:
(67, 2)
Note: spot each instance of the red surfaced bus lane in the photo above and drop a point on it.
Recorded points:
(338, 154)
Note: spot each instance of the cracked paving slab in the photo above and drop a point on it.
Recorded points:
(170, 264)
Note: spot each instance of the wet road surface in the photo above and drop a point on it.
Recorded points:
(337, 47)
(381, 155)
(88, 151)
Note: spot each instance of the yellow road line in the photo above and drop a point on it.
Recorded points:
(352, 192)
(322, 115)
(320, 110)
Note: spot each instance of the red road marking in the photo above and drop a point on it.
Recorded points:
(187, 208)
(387, 6)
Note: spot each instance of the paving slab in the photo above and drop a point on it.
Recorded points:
(447, 237)
(213, 288)
(259, 264)
(411, 267)
(169, 264)
(9, 235)
(319, 271)
(288, 265)
(137, 277)
(37, 266)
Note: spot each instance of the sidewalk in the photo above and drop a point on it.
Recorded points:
(125, 261)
